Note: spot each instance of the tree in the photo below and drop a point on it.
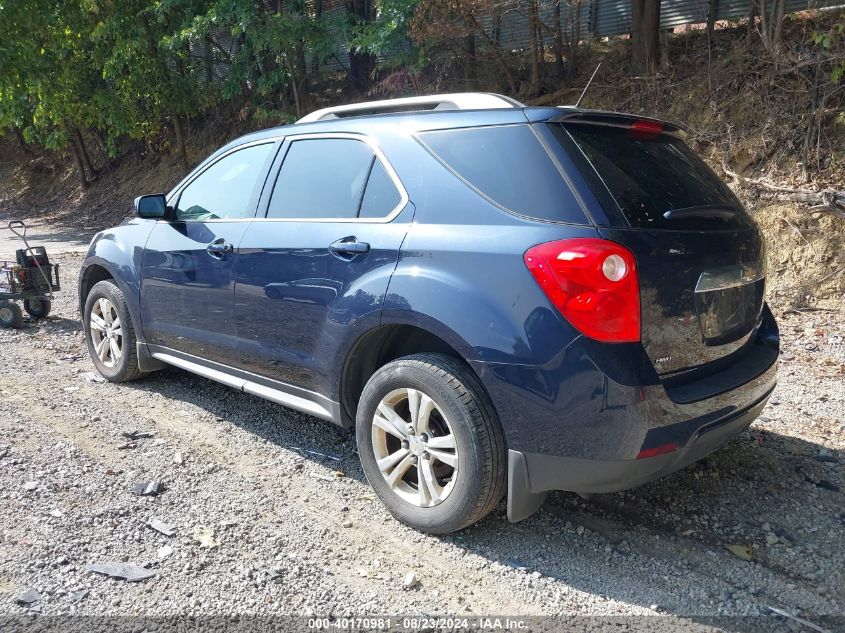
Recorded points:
(645, 36)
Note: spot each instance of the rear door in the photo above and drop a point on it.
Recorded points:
(320, 262)
(700, 257)
(188, 269)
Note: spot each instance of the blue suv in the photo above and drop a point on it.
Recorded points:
(500, 299)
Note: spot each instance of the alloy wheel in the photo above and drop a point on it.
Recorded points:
(414, 447)
(106, 332)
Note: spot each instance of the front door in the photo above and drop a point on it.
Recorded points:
(320, 262)
(189, 263)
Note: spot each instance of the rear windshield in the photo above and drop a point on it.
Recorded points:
(650, 175)
(508, 165)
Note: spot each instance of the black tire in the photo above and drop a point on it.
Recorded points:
(38, 308)
(125, 367)
(11, 315)
(479, 443)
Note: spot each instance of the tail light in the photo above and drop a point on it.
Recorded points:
(593, 282)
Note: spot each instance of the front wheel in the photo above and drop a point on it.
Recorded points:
(110, 334)
(430, 443)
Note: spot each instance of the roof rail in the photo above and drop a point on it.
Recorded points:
(454, 101)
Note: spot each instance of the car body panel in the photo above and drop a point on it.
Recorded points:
(280, 316)
(187, 293)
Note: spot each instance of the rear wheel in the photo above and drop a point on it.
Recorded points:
(110, 334)
(10, 315)
(430, 443)
(37, 308)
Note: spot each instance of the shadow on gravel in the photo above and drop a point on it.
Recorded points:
(758, 491)
(271, 422)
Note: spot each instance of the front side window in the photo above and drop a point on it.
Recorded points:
(332, 178)
(224, 190)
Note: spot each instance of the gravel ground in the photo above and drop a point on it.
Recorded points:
(261, 527)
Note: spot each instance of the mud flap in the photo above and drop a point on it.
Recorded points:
(522, 502)
(145, 360)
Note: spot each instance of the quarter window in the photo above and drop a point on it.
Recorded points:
(332, 178)
(380, 196)
(509, 166)
(224, 190)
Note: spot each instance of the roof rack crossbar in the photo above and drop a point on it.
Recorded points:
(454, 101)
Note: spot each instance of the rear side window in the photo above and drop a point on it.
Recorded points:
(321, 178)
(509, 166)
(332, 178)
(650, 175)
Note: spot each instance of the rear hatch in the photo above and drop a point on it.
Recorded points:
(700, 256)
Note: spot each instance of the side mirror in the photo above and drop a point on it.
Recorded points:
(153, 206)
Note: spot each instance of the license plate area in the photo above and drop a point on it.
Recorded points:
(728, 301)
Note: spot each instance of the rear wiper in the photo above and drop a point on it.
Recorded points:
(723, 213)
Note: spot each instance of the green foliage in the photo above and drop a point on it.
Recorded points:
(128, 68)
(833, 40)
(387, 34)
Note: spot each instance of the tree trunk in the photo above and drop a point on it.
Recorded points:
(470, 70)
(534, 48)
(712, 11)
(83, 153)
(302, 80)
(80, 168)
(497, 52)
(360, 64)
(645, 36)
(575, 13)
(101, 145)
(180, 141)
(21, 141)
(560, 66)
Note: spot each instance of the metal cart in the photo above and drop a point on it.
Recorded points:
(30, 279)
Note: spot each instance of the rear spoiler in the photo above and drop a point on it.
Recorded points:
(625, 121)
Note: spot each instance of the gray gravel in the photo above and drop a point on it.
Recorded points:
(262, 528)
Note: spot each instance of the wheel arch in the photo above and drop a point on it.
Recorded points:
(384, 343)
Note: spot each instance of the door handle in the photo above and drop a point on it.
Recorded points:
(219, 247)
(349, 246)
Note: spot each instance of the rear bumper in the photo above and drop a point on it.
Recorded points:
(532, 475)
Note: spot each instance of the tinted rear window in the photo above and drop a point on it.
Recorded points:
(650, 175)
(508, 165)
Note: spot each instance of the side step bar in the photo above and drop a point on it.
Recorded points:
(241, 381)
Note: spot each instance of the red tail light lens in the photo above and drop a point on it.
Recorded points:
(593, 282)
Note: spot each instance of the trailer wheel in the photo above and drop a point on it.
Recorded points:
(37, 308)
(11, 315)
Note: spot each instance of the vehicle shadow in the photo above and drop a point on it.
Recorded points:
(638, 546)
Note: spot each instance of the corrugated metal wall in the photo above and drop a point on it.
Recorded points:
(597, 18)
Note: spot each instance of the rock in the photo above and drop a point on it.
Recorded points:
(771, 539)
(178, 459)
(147, 488)
(161, 527)
(128, 571)
(410, 581)
(29, 596)
(741, 551)
(165, 551)
(77, 596)
(55, 512)
(29, 486)
(347, 524)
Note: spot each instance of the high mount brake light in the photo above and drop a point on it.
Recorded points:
(643, 129)
(593, 283)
